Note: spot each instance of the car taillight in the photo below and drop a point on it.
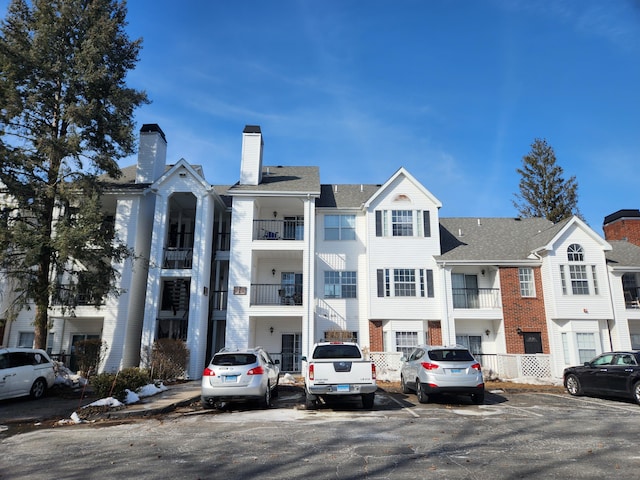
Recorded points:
(311, 376)
(429, 366)
(476, 366)
(256, 371)
(373, 371)
(208, 373)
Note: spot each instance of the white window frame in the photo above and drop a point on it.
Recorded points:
(527, 282)
(406, 341)
(345, 228)
(342, 279)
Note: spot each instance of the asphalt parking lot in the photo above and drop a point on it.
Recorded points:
(513, 435)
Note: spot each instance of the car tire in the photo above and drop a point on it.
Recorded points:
(403, 385)
(573, 386)
(207, 405)
(265, 401)
(310, 401)
(275, 392)
(423, 397)
(636, 392)
(478, 398)
(38, 389)
(368, 400)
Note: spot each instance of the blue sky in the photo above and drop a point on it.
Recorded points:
(454, 91)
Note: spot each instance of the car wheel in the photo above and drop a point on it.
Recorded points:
(310, 401)
(207, 405)
(404, 386)
(573, 385)
(478, 398)
(265, 401)
(367, 400)
(636, 392)
(38, 388)
(420, 393)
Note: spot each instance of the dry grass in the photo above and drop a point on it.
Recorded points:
(507, 387)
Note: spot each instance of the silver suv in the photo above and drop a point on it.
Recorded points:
(25, 371)
(431, 370)
(248, 374)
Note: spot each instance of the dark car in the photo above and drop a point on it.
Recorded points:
(613, 373)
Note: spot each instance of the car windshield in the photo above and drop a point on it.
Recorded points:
(451, 355)
(229, 359)
(336, 351)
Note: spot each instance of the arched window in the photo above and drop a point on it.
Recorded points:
(575, 253)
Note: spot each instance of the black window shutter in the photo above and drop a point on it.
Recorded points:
(426, 217)
(430, 283)
(378, 223)
(380, 282)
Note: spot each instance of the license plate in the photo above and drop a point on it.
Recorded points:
(342, 388)
(231, 378)
(455, 371)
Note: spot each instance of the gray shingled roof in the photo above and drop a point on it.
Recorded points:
(285, 180)
(623, 254)
(491, 239)
(345, 196)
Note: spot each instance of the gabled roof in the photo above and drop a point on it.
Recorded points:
(283, 181)
(194, 170)
(564, 225)
(623, 254)
(489, 240)
(345, 196)
(403, 172)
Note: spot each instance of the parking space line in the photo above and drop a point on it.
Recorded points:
(625, 408)
(411, 412)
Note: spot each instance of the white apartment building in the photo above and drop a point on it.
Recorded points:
(281, 260)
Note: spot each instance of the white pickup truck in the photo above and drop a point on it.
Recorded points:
(338, 368)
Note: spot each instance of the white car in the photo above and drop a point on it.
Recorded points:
(240, 375)
(25, 371)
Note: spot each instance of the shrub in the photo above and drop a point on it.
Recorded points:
(115, 384)
(169, 359)
(89, 354)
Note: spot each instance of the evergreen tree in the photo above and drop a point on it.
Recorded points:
(543, 190)
(66, 117)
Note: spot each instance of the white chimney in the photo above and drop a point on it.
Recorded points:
(152, 153)
(251, 165)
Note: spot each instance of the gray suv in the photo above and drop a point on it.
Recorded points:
(432, 370)
(247, 374)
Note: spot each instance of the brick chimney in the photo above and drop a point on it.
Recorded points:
(623, 225)
(251, 166)
(152, 153)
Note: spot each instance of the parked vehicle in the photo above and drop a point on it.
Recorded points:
(25, 371)
(338, 369)
(612, 373)
(433, 370)
(240, 375)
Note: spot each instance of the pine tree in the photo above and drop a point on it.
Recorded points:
(66, 117)
(543, 190)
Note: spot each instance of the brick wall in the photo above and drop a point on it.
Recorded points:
(624, 229)
(528, 314)
(375, 336)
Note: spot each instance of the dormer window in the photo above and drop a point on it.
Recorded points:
(575, 253)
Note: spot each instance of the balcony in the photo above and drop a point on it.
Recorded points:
(176, 257)
(476, 298)
(278, 294)
(278, 229)
(67, 297)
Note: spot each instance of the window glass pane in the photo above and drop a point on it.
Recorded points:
(575, 253)
(579, 282)
(527, 288)
(406, 342)
(586, 346)
(404, 280)
(402, 223)
(26, 339)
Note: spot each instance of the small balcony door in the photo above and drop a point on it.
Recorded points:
(291, 288)
(465, 290)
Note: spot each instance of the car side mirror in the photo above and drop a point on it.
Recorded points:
(403, 358)
(587, 364)
(303, 358)
(277, 362)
